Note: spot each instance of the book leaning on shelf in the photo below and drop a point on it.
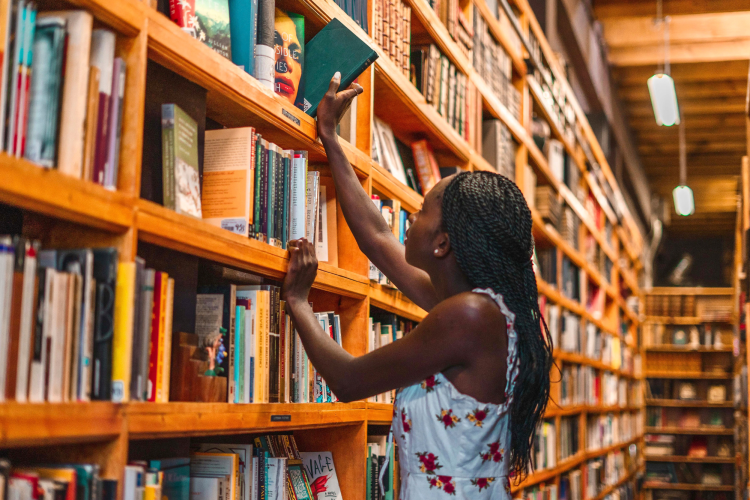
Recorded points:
(59, 66)
(55, 482)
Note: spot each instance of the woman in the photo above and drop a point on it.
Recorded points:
(475, 372)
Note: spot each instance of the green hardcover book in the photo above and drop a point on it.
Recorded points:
(286, 191)
(334, 48)
(182, 191)
(258, 177)
(279, 196)
(271, 205)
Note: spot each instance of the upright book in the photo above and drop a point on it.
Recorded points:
(181, 180)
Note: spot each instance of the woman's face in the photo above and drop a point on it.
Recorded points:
(288, 50)
(426, 226)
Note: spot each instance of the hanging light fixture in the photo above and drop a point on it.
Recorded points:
(682, 195)
(661, 85)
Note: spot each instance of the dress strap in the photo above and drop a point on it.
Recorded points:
(512, 361)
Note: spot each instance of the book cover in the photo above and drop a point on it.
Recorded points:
(297, 194)
(162, 388)
(265, 61)
(228, 175)
(122, 342)
(243, 20)
(157, 334)
(45, 92)
(102, 57)
(116, 100)
(182, 191)
(322, 474)
(289, 52)
(322, 60)
(244, 453)
(205, 20)
(217, 464)
(105, 277)
(22, 107)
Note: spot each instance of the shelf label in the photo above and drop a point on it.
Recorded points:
(281, 418)
(291, 117)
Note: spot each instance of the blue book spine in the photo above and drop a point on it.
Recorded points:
(243, 20)
(402, 226)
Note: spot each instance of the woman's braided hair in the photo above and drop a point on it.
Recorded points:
(489, 225)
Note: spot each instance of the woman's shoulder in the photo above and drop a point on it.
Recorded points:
(473, 311)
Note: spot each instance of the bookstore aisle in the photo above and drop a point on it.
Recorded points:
(156, 158)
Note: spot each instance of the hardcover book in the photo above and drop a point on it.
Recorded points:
(334, 48)
(182, 191)
(322, 474)
(289, 53)
(206, 20)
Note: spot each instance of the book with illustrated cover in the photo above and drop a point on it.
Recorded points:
(206, 20)
(322, 474)
(289, 53)
(182, 192)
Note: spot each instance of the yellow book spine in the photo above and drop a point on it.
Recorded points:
(160, 350)
(122, 342)
(166, 354)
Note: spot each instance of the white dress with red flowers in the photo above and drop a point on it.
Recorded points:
(450, 445)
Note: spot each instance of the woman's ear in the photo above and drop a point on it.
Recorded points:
(442, 245)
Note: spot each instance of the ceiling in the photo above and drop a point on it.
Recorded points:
(709, 52)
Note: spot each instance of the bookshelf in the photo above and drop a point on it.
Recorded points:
(64, 212)
(740, 284)
(689, 348)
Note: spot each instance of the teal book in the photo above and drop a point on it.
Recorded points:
(45, 92)
(239, 364)
(243, 19)
(176, 482)
(334, 48)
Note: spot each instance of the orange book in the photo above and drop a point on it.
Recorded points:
(427, 167)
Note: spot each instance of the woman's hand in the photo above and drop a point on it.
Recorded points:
(334, 105)
(303, 267)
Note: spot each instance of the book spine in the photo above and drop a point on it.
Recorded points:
(278, 201)
(115, 125)
(166, 351)
(153, 363)
(252, 193)
(258, 162)
(285, 202)
(265, 69)
(271, 195)
(265, 153)
(122, 343)
(102, 57)
(24, 98)
(167, 142)
(36, 369)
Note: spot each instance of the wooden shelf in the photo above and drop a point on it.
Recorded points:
(394, 301)
(698, 290)
(650, 485)
(686, 320)
(150, 420)
(686, 349)
(163, 227)
(28, 424)
(689, 375)
(690, 460)
(384, 182)
(609, 489)
(51, 193)
(583, 360)
(706, 430)
(379, 413)
(676, 403)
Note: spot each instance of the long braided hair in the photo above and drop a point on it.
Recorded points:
(489, 225)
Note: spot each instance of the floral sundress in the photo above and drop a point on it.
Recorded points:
(450, 445)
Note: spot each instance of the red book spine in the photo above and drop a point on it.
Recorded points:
(153, 354)
(102, 135)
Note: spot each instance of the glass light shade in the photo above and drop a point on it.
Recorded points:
(683, 200)
(664, 100)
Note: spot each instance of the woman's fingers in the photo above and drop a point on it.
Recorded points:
(333, 87)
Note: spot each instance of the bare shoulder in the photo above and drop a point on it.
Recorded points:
(470, 312)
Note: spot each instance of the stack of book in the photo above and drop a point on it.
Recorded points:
(494, 65)
(392, 31)
(78, 481)
(61, 312)
(64, 110)
(377, 448)
(548, 205)
(442, 85)
(499, 148)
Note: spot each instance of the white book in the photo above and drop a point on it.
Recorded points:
(56, 338)
(75, 86)
(312, 199)
(297, 222)
(6, 290)
(275, 478)
(228, 179)
(133, 483)
(245, 453)
(27, 323)
(250, 312)
(204, 488)
(254, 491)
(321, 240)
(102, 57)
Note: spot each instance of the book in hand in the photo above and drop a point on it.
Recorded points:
(334, 48)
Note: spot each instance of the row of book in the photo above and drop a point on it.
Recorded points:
(376, 458)
(569, 438)
(570, 485)
(398, 221)
(499, 147)
(578, 385)
(392, 31)
(74, 481)
(545, 263)
(573, 278)
(384, 328)
(611, 428)
(545, 446)
(598, 258)
(62, 91)
(690, 446)
(459, 27)
(706, 475)
(60, 312)
(570, 225)
(443, 86)
(688, 417)
(494, 65)
(272, 467)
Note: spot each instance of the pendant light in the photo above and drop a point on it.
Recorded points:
(661, 85)
(682, 195)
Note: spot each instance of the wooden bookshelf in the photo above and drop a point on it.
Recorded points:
(685, 487)
(690, 460)
(66, 212)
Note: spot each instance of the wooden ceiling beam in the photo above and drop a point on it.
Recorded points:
(687, 72)
(694, 52)
(683, 29)
(604, 9)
